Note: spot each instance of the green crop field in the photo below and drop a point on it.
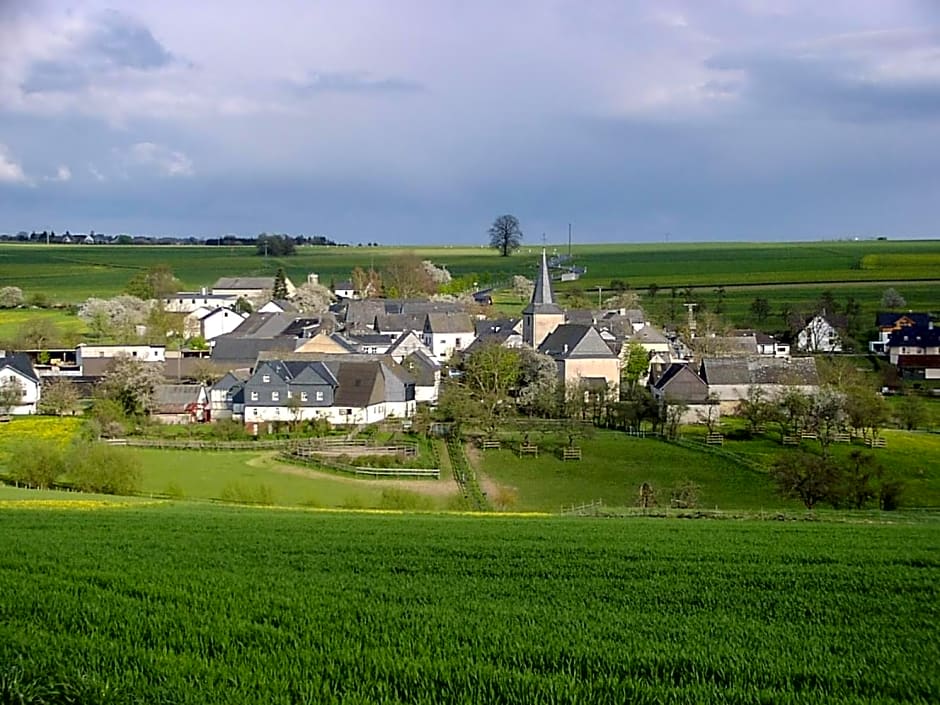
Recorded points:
(181, 604)
(72, 273)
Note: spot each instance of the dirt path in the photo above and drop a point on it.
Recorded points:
(493, 489)
(434, 488)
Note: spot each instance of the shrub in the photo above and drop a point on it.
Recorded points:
(36, 464)
(98, 467)
(174, 491)
(243, 494)
(394, 498)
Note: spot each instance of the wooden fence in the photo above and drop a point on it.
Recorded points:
(309, 446)
(583, 509)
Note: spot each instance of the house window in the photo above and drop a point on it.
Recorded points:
(275, 396)
(457, 343)
(303, 396)
(254, 396)
(265, 378)
(319, 396)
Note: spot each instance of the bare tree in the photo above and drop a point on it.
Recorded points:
(365, 283)
(505, 234)
(405, 275)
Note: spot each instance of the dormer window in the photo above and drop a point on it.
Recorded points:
(265, 378)
(275, 396)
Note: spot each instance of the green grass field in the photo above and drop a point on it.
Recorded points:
(182, 604)
(233, 475)
(613, 467)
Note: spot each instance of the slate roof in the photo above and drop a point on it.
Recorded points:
(231, 379)
(679, 382)
(648, 334)
(448, 323)
(235, 348)
(919, 337)
(734, 344)
(285, 305)
(174, 398)
(359, 384)
(571, 341)
(244, 283)
(759, 370)
(887, 319)
(361, 313)
(399, 321)
(21, 363)
(422, 368)
(405, 341)
(584, 316)
(543, 299)
(494, 325)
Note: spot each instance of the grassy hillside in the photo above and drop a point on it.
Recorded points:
(212, 605)
(613, 467)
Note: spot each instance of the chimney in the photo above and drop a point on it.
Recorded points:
(203, 291)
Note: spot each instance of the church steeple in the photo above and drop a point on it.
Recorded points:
(542, 314)
(542, 294)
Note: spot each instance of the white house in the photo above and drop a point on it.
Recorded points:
(211, 323)
(345, 290)
(16, 371)
(189, 301)
(446, 333)
(144, 353)
(913, 341)
(344, 390)
(819, 335)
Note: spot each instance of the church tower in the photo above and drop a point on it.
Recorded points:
(542, 315)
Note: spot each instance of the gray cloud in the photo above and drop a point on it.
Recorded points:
(113, 42)
(842, 87)
(354, 82)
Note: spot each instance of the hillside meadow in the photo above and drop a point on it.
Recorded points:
(176, 603)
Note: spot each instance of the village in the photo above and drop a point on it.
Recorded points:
(263, 362)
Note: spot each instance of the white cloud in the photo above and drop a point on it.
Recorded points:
(168, 162)
(63, 173)
(10, 170)
(93, 170)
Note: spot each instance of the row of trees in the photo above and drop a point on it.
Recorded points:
(849, 483)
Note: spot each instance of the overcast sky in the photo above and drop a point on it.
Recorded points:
(419, 122)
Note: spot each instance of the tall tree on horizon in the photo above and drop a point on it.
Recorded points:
(280, 285)
(505, 234)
